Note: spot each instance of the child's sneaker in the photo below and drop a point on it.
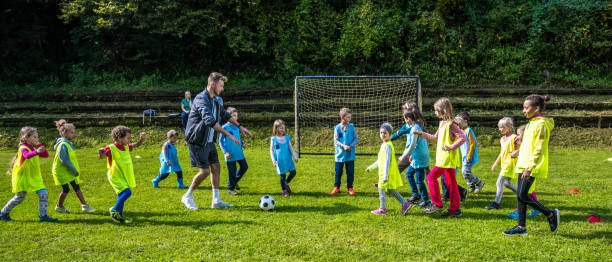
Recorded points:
(534, 213)
(513, 215)
(6, 218)
(405, 207)
(87, 208)
(493, 205)
(433, 209)
(456, 213)
(351, 191)
(423, 204)
(414, 199)
(285, 192)
(47, 219)
(554, 223)
(479, 187)
(155, 183)
(335, 191)
(379, 211)
(62, 210)
(472, 188)
(515, 231)
(232, 192)
(115, 215)
(220, 204)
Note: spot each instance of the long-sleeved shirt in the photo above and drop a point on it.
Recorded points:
(63, 153)
(384, 166)
(29, 154)
(344, 135)
(455, 132)
(410, 146)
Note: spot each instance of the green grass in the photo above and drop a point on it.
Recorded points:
(310, 224)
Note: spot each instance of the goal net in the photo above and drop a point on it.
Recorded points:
(372, 100)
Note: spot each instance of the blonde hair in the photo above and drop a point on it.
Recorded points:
(63, 126)
(444, 106)
(277, 124)
(231, 110)
(506, 122)
(171, 133)
(120, 132)
(216, 77)
(24, 133)
(344, 111)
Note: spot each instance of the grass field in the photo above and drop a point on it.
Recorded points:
(310, 224)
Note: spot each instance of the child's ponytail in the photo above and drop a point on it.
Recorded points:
(538, 100)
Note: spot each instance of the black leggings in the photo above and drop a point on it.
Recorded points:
(284, 180)
(522, 194)
(66, 188)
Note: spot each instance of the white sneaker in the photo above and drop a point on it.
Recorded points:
(87, 208)
(220, 204)
(189, 203)
(62, 210)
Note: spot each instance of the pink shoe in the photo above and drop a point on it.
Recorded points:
(405, 207)
(379, 212)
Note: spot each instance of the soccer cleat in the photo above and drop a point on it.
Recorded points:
(335, 191)
(155, 183)
(87, 208)
(479, 187)
(47, 219)
(220, 204)
(189, 203)
(433, 209)
(456, 213)
(534, 213)
(493, 205)
(515, 231)
(379, 211)
(351, 191)
(414, 199)
(6, 218)
(62, 210)
(554, 223)
(513, 215)
(405, 207)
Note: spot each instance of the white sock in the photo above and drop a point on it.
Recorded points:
(216, 195)
(189, 192)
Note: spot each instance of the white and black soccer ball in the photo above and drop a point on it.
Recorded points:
(266, 203)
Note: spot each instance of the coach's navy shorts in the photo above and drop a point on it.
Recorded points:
(203, 156)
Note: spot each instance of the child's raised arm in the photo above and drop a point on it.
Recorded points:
(143, 135)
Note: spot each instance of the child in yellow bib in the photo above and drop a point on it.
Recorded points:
(532, 163)
(389, 178)
(26, 176)
(65, 168)
(120, 168)
(448, 158)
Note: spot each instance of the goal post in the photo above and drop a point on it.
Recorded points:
(372, 100)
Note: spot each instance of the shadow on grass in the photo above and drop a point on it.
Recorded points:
(317, 194)
(336, 208)
(604, 235)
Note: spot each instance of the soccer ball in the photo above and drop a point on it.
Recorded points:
(266, 203)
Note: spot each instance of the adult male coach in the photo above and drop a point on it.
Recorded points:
(205, 119)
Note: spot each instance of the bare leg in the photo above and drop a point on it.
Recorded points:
(216, 173)
(199, 177)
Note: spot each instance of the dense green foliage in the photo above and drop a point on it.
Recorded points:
(146, 43)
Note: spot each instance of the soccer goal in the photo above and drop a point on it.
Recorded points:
(372, 100)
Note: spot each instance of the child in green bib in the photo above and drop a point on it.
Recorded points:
(65, 168)
(120, 168)
(389, 178)
(26, 176)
